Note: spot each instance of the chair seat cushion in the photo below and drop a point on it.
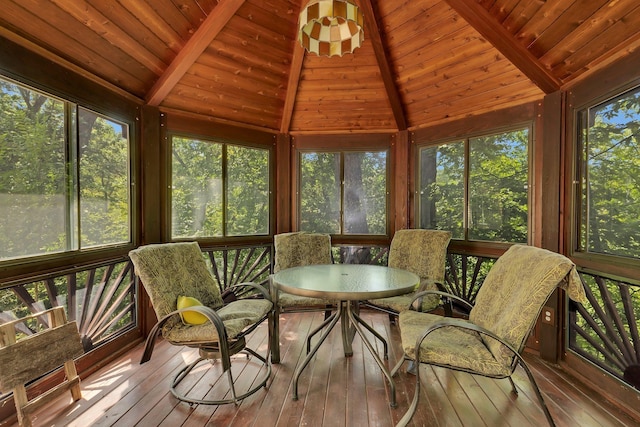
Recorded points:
(290, 300)
(401, 303)
(449, 346)
(236, 316)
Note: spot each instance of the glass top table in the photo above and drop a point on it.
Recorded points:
(347, 284)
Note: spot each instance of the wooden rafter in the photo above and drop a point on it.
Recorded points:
(372, 32)
(292, 87)
(483, 22)
(212, 25)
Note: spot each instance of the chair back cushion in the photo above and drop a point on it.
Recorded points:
(173, 269)
(513, 294)
(422, 252)
(301, 248)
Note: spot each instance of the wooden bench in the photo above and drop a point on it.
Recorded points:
(35, 355)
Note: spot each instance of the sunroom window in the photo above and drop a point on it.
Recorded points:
(609, 177)
(476, 187)
(343, 192)
(218, 189)
(64, 175)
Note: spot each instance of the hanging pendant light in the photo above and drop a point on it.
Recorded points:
(330, 27)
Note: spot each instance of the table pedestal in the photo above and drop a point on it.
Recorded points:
(351, 323)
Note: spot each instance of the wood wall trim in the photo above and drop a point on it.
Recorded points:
(548, 185)
(477, 124)
(400, 178)
(613, 390)
(200, 125)
(284, 190)
(150, 166)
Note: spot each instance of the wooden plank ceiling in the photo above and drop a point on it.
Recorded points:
(423, 62)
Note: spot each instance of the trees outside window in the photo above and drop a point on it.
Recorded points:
(607, 230)
(476, 187)
(343, 192)
(608, 172)
(218, 189)
(64, 175)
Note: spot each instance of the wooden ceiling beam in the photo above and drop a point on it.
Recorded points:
(292, 86)
(210, 28)
(483, 22)
(372, 32)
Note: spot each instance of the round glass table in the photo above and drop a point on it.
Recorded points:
(348, 284)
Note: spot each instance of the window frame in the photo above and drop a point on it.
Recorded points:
(342, 143)
(122, 111)
(225, 141)
(464, 138)
(616, 265)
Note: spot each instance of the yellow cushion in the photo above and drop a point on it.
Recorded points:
(190, 317)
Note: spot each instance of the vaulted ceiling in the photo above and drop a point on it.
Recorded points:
(423, 62)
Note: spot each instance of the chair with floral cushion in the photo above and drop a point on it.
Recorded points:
(191, 313)
(294, 250)
(491, 341)
(423, 252)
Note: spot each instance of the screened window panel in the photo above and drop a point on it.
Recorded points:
(477, 188)
(498, 187)
(196, 188)
(610, 177)
(320, 193)
(441, 191)
(64, 177)
(105, 215)
(247, 191)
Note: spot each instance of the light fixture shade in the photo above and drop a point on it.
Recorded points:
(330, 27)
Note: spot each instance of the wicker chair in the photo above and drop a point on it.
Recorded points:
(294, 250)
(491, 341)
(173, 270)
(423, 252)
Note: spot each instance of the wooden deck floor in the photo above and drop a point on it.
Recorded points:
(334, 391)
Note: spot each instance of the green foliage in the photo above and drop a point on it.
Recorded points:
(359, 206)
(198, 185)
(196, 188)
(611, 181)
(442, 188)
(497, 182)
(319, 197)
(247, 191)
(103, 181)
(498, 187)
(39, 171)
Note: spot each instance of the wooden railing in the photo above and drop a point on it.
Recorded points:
(102, 299)
(605, 331)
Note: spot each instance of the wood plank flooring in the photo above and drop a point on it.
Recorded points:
(333, 390)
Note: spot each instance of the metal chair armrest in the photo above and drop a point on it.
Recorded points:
(208, 312)
(442, 294)
(261, 289)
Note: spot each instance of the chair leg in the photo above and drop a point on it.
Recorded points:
(235, 399)
(327, 312)
(392, 318)
(513, 386)
(537, 390)
(414, 403)
(274, 334)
